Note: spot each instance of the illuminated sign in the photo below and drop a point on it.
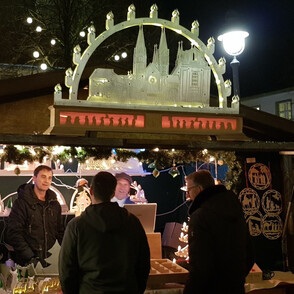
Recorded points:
(199, 123)
(101, 119)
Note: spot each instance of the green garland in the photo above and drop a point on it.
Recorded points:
(161, 159)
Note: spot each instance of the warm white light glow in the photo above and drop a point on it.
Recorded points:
(29, 20)
(234, 42)
(43, 66)
(38, 29)
(53, 42)
(124, 55)
(82, 34)
(58, 149)
(36, 54)
(116, 57)
(156, 149)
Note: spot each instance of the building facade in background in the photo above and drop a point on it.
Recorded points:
(279, 103)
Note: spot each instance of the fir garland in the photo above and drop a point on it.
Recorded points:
(159, 160)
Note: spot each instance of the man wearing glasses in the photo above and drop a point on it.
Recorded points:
(220, 254)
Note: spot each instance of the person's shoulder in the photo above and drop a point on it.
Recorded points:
(73, 223)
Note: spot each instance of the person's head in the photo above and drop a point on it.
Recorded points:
(123, 185)
(103, 187)
(42, 177)
(197, 182)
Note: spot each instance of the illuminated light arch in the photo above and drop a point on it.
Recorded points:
(72, 78)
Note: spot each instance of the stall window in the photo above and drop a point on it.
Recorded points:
(284, 109)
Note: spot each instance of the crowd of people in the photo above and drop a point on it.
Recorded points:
(105, 249)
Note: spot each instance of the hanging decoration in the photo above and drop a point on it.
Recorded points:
(155, 173)
(174, 170)
(155, 159)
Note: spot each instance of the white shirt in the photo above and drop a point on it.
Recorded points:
(120, 202)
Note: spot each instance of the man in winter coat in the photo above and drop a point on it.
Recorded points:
(105, 250)
(220, 253)
(34, 223)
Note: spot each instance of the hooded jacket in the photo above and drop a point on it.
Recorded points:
(220, 252)
(105, 250)
(34, 225)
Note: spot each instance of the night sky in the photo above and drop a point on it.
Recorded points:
(267, 63)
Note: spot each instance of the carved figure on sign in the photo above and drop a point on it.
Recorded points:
(254, 224)
(250, 201)
(272, 226)
(272, 202)
(259, 176)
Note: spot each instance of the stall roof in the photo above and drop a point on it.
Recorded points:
(263, 131)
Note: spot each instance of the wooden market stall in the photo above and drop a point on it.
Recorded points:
(152, 107)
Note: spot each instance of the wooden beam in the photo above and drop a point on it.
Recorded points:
(50, 140)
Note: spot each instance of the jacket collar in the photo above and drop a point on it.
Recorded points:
(205, 195)
(26, 191)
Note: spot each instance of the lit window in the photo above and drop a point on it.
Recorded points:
(284, 109)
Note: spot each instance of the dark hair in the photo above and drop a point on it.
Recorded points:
(41, 167)
(103, 186)
(201, 178)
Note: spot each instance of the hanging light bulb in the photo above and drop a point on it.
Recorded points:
(43, 66)
(155, 173)
(29, 20)
(38, 29)
(36, 54)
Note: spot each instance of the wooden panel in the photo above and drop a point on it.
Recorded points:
(154, 241)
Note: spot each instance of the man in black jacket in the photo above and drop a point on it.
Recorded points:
(220, 254)
(34, 223)
(105, 250)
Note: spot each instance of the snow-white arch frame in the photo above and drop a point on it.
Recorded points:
(72, 78)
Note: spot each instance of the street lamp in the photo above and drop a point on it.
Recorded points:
(234, 45)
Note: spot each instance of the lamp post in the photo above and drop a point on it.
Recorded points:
(234, 45)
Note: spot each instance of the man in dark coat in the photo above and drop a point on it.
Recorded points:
(105, 250)
(34, 223)
(220, 254)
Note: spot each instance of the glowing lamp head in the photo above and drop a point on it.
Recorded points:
(234, 42)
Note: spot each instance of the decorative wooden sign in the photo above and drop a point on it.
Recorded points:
(66, 120)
